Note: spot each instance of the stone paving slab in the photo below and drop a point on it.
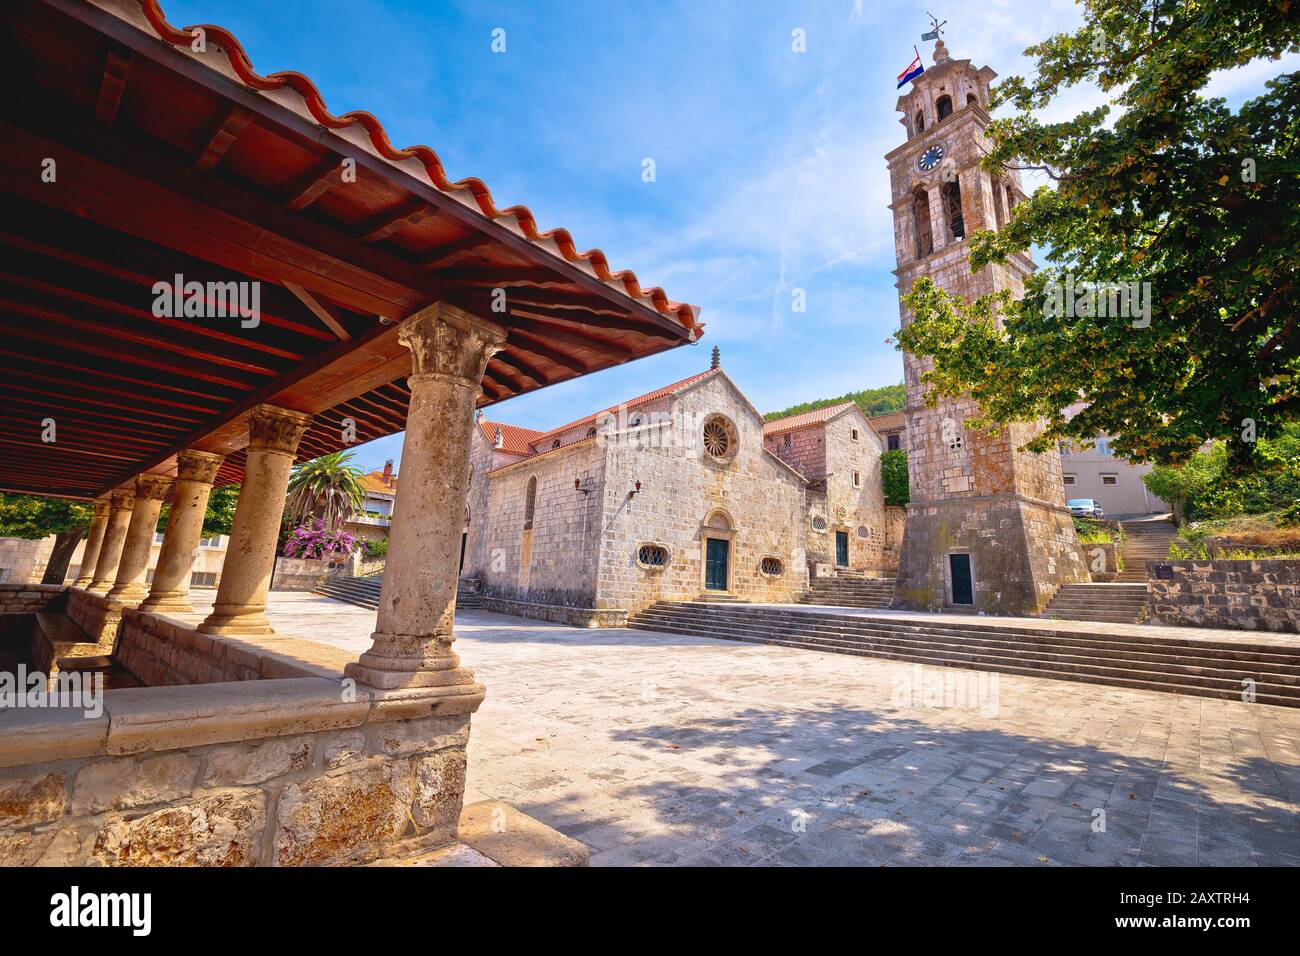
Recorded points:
(658, 749)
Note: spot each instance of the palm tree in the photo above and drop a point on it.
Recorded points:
(327, 488)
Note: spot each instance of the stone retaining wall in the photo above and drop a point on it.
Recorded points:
(27, 598)
(263, 772)
(1101, 560)
(1247, 595)
(99, 617)
(558, 613)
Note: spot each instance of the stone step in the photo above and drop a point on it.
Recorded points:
(1150, 664)
(842, 624)
(1079, 677)
(1184, 675)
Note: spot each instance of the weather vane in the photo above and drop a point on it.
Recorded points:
(938, 27)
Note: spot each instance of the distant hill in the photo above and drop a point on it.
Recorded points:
(872, 401)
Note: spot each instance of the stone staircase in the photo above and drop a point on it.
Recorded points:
(1111, 603)
(1144, 541)
(1121, 658)
(850, 592)
(364, 592)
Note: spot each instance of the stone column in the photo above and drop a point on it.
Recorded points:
(195, 472)
(110, 549)
(273, 436)
(129, 586)
(412, 641)
(94, 538)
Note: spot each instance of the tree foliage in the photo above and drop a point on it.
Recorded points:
(1162, 185)
(1204, 487)
(872, 401)
(218, 515)
(893, 477)
(31, 517)
(328, 488)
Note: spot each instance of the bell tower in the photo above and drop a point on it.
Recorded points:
(987, 528)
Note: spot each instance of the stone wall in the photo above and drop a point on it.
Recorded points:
(305, 574)
(858, 509)
(558, 613)
(27, 598)
(554, 561)
(681, 487)
(271, 773)
(99, 617)
(1245, 595)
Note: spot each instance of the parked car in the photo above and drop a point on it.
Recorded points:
(1085, 508)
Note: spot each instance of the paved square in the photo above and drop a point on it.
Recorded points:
(662, 749)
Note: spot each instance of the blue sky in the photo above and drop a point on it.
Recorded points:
(770, 170)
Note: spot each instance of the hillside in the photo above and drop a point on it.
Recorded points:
(872, 401)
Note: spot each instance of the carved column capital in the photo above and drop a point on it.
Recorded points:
(123, 500)
(449, 342)
(152, 487)
(200, 466)
(100, 509)
(275, 429)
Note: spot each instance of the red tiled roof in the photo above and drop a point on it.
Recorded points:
(374, 482)
(477, 190)
(645, 399)
(804, 419)
(515, 440)
(888, 420)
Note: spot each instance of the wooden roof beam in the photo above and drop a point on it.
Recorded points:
(116, 66)
(328, 316)
(223, 138)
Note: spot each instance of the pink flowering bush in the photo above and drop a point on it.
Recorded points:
(313, 541)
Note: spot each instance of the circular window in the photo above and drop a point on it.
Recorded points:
(818, 523)
(652, 556)
(862, 531)
(841, 513)
(719, 437)
(772, 567)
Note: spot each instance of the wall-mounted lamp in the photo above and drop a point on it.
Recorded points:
(635, 489)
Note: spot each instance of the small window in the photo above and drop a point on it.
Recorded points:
(530, 502)
(944, 107)
(653, 556)
(772, 567)
(818, 523)
(555, 444)
(857, 479)
(920, 122)
(862, 531)
(1069, 479)
(785, 440)
(635, 420)
(892, 442)
(971, 99)
(853, 434)
(591, 432)
(1110, 479)
(957, 443)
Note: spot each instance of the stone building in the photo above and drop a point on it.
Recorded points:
(680, 492)
(987, 528)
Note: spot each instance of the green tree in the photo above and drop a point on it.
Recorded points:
(327, 488)
(1187, 485)
(872, 401)
(218, 515)
(1164, 186)
(893, 477)
(33, 518)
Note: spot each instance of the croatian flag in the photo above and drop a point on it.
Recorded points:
(911, 73)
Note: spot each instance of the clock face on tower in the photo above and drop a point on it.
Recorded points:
(930, 158)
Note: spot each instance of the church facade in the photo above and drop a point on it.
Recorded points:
(682, 492)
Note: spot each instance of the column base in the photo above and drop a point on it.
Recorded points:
(391, 673)
(236, 621)
(131, 595)
(170, 602)
(101, 588)
(82, 583)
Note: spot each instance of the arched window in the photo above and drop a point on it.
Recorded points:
(771, 567)
(652, 556)
(530, 502)
(998, 209)
(921, 223)
(951, 195)
(920, 122)
(944, 107)
(971, 99)
(591, 432)
(1011, 203)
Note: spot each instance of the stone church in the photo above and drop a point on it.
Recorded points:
(681, 492)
